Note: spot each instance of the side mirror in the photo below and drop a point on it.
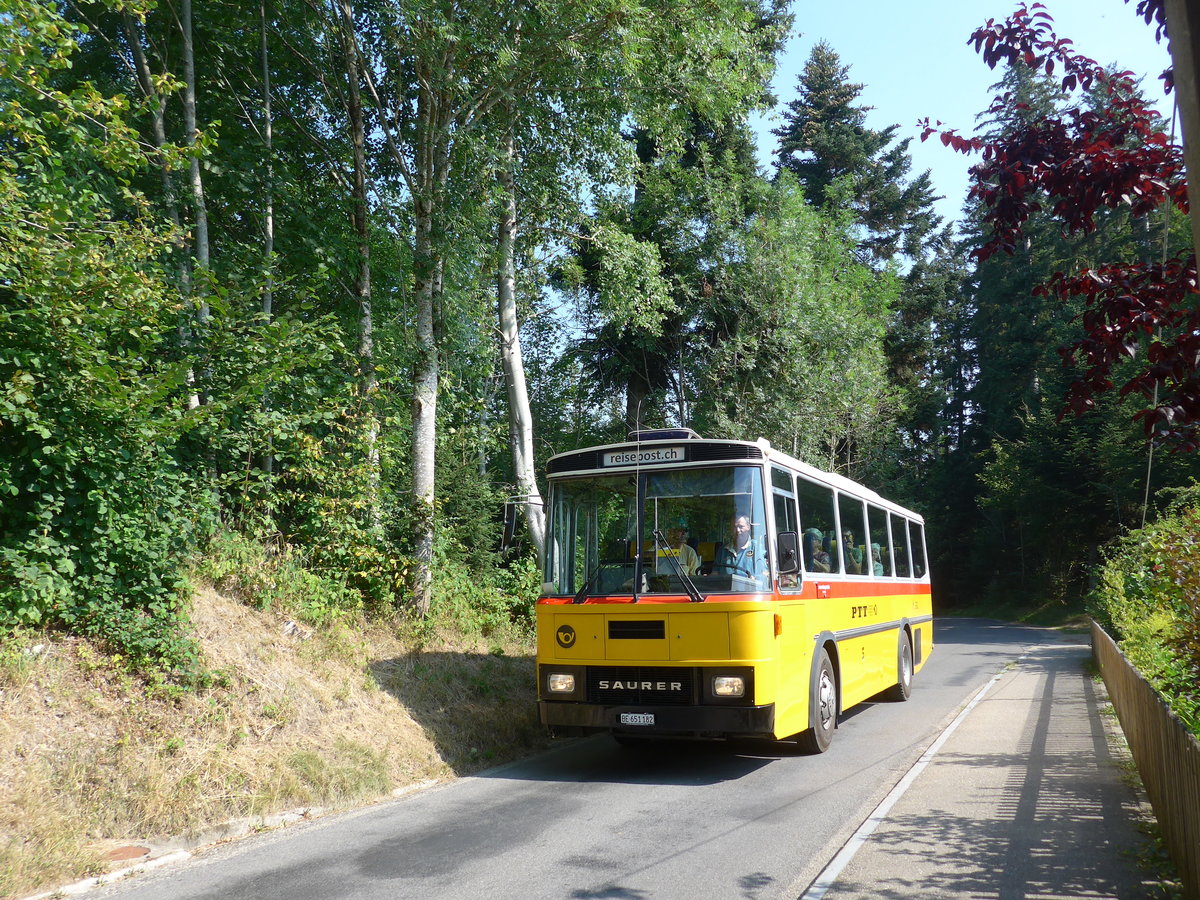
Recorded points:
(788, 546)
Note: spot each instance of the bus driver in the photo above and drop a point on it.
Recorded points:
(744, 555)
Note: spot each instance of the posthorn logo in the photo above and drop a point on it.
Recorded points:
(565, 636)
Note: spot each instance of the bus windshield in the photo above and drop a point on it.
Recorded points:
(706, 526)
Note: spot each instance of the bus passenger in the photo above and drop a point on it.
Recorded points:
(816, 559)
(852, 554)
(876, 559)
(688, 559)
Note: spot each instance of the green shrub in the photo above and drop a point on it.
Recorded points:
(486, 599)
(97, 525)
(275, 577)
(97, 514)
(1148, 597)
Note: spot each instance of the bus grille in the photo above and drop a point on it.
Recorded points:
(641, 685)
(590, 459)
(718, 452)
(636, 629)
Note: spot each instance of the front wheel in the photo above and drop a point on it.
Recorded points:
(824, 717)
(902, 689)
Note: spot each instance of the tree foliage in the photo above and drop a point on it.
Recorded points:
(1026, 494)
(825, 140)
(1078, 161)
(378, 178)
(1147, 596)
(796, 344)
(97, 512)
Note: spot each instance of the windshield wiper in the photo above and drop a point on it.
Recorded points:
(660, 542)
(587, 585)
(594, 574)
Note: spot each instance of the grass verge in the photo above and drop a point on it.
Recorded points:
(92, 759)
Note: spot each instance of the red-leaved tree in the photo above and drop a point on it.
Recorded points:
(1072, 163)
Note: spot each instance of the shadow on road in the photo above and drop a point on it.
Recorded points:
(600, 760)
(478, 709)
(1025, 800)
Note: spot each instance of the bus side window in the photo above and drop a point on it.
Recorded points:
(785, 513)
(881, 547)
(916, 537)
(853, 542)
(817, 520)
(785, 520)
(900, 546)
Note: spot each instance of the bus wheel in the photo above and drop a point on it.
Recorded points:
(818, 738)
(902, 689)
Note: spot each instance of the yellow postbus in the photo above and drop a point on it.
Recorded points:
(720, 588)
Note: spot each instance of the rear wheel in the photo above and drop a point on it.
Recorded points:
(824, 714)
(902, 689)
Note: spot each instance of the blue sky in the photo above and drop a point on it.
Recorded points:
(914, 62)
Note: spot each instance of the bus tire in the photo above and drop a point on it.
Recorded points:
(902, 689)
(823, 715)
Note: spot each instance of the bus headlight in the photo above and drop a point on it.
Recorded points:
(728, 686)
(561, 683)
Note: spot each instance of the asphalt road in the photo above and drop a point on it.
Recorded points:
(590, 819)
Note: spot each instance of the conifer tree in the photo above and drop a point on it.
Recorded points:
(826, 143)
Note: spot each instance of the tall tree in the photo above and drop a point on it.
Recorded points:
(1044, 493)
(267, 130)
(825, 142)
(357, 122)
(512, 359)
(1080, 161)
(796, 346)
(191, 129)
(647, 269)
(439, 73)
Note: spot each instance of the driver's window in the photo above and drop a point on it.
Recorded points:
(708, 525)
(783, 497)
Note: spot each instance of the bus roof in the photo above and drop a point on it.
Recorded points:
(576, 462)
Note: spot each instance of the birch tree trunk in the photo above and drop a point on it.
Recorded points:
(199, 211)
(424, 408)
(158, 123)
(268, 298)
(519, 417)
(192, 132)
(362, 281)
(170, 200)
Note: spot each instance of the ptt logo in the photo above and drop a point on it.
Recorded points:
(862, 612)
(565, 636)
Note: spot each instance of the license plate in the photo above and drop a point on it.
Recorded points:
(637, 718)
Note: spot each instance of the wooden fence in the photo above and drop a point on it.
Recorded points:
(1166, 753)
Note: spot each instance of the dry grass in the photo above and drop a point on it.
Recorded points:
(90, 759)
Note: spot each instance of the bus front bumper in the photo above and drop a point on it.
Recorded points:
(705, 721)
